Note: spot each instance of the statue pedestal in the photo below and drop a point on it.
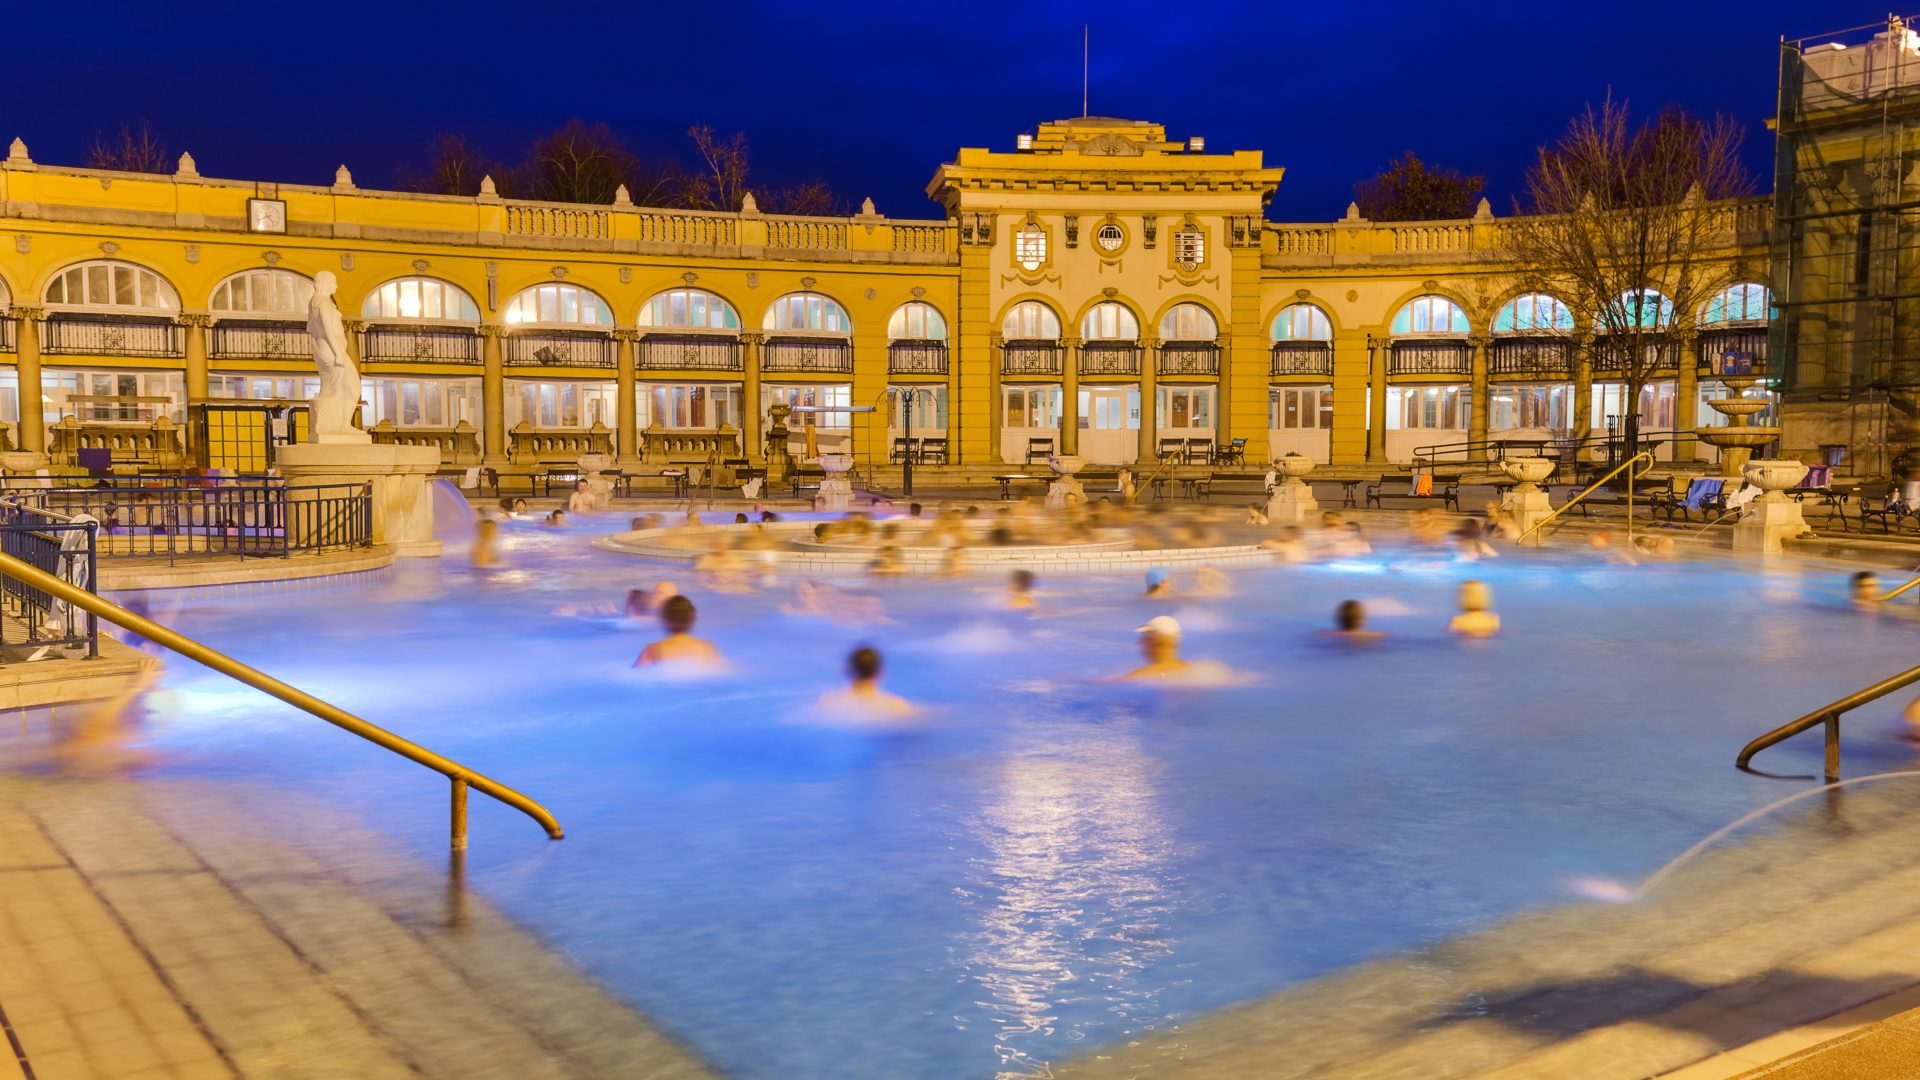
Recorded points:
(1527, 508)
(836, 493)
(1765, 523)
(402, 505)
(1065, 492)
(1292, 502)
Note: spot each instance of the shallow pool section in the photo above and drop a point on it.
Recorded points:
(1047, 863)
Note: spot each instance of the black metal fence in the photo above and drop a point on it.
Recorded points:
(255, 519)
(63, 547)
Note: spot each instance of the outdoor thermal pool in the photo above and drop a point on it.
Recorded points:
(1045, 863)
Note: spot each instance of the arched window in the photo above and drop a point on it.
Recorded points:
(1533, 313)
(1430, 315)
(6, 296)
(1642, 308)
(807, 311)
(421, 298)
(1302, 322)
(558, 305)
(1188, 322)
(916, 321)
(689, 309)
(105, 284)
(1109, 321)
(1748, 301)
(1030, 320)
(279, 293)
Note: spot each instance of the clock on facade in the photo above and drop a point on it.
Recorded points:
(267, 215)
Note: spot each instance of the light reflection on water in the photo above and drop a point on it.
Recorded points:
(1047, 864)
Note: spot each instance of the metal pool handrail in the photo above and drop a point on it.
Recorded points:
(1595, 486)
(461, 776)
(1901, 589)
(1829, 715)
(1166, 462)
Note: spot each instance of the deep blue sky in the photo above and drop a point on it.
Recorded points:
(872, 97)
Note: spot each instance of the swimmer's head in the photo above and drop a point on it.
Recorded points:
(1022, 581)
(740, 518)
(678, 615)
(863, 664)
(1866, 585)
(486, 527)
(1351, 615)
(579, 485)
(768, 515)
(913, 509)
(636, 524)
(1160, 637)
(1475, 596)
(638, 601)
(1157, 577)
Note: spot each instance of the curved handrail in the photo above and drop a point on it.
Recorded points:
(461, 776)
(1829, 715)
(1901, 589)
(1647, 455)
(1166, 462)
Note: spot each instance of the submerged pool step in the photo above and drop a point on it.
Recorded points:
(1778, 931)
(284, 958)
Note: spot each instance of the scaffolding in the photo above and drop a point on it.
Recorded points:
(1845, 247)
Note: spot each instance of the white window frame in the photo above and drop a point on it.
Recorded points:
(561, 404)
(1300, 408)
(1199, 398)
(809, 394)
(555, 303)
(238, 295)
(428, 297)
(688, 406)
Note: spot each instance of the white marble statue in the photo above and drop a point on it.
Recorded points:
(331, 419)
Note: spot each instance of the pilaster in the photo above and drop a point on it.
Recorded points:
(626, 408)
(1478, 410)
(493, 395)
(33, 418)
(1070, 396)
(753, 424)
(1379, 350)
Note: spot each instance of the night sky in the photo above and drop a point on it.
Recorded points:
(873, 97)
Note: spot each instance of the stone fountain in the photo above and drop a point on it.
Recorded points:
(1526, 504)
(1740, 438)
(1292, 500)
(1065, 491)
(836, 491)
(1772, 517)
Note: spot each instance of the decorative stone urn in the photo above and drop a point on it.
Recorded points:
(1739, 438)
(1291, 500)
(1526, 504)
(836, 491)
(1772, 517)
(1065, 490)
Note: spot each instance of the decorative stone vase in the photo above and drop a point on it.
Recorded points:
(1772, 517)
(836, 464)
(1773, 476)
(1065, 490)
(836, 491)
(1526, 473)
(1293, 465)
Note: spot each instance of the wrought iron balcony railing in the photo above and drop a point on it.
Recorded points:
(917, 358)
(1109, 358)
(1302, 358)
(112, 335)
(1430, 358)
(419, 344)
(688, 352)
(829, 355)
(1189, 358)
(1542, 358)
(259, 339)
(560, 348)
(1031, 357)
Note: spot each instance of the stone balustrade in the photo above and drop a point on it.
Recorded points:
(459, 445)
(158, 445)
(529, 445)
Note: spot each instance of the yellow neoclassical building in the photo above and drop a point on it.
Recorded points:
(1095, 288)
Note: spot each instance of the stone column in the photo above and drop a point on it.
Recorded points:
(1583, 393)
(196, 323)
(1149, 405)
(1070, 397)
(33, 419)
(626, 444)
(1222, 426)
(1478, 412)
(996, 401)
(1377, 353)
(752, 423)
(1686, 395)
(493, 393)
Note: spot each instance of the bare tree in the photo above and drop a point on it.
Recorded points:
(579, 162)
(1615, 214)
(454, 167)
(1411, 190)
(719, 182)
(134, 149)
(813, 197)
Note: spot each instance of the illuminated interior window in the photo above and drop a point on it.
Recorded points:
(105, 284)
(692, 309)
(421, 298)
(558, 305)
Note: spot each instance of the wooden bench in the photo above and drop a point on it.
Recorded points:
(1228, 483)
(1446, 489)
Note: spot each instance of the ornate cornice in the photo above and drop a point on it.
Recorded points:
(28, 312)
(199, 319)
(492, 330)
(626, 333)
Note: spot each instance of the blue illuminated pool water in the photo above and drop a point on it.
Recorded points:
(1048, 863)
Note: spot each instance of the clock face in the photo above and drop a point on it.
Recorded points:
(1110, 237)
(267, 215)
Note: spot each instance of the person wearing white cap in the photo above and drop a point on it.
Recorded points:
(1160, 645)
